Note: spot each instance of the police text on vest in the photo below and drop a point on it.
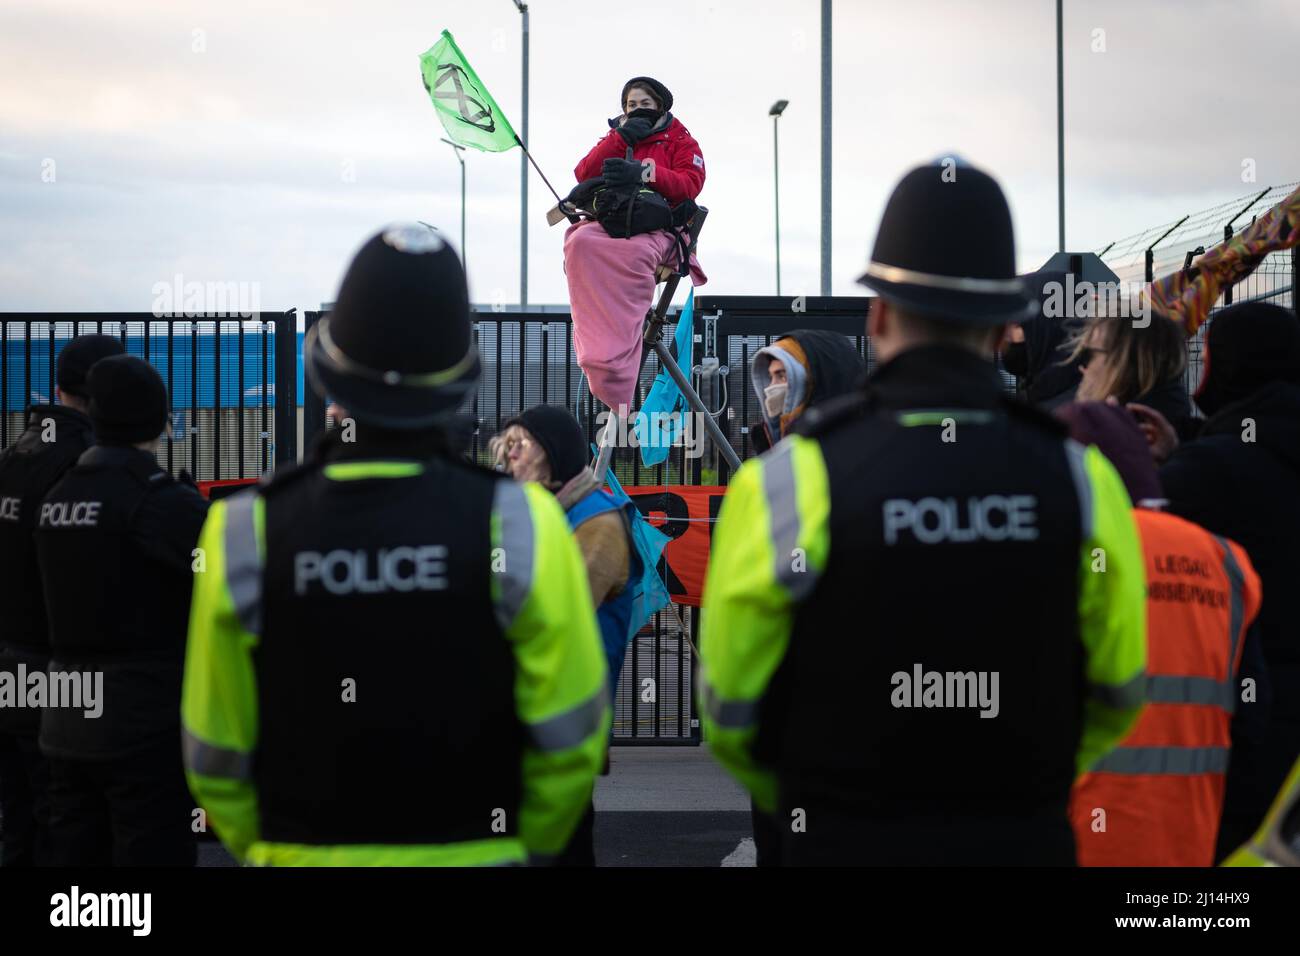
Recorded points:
(69, 514)
(342, 572)
(103, 909)
(938, 520)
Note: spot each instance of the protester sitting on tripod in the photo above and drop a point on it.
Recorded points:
(642, 202)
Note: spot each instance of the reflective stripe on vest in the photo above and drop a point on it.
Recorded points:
(243, 561)
(1164, 760)
(780, 490)
(510, 504)
(1185, 689)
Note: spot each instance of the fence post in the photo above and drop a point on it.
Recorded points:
(1295, 280)
(286, 388)
(313, 406)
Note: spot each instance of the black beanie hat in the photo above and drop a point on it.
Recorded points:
(78, 356)
(560, 436)
(660, 92)
(128, 400)
(1247, 347)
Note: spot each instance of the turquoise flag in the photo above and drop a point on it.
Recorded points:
(649, 594)
(663, 415)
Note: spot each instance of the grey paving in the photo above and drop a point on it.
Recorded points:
(669, 780)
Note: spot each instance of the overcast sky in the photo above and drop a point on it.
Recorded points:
(262, 142)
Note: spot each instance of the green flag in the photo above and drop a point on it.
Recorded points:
(468, 113)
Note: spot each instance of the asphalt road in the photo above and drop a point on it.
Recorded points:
(659, 806)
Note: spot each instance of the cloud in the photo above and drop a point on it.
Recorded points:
(245, 141)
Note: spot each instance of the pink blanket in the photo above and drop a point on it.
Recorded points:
(611, 287)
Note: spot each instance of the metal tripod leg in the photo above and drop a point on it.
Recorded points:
(607, 439)
(693, 399)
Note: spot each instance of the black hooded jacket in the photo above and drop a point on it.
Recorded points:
(1241, 478)
(1171, 400)
(1046, 378)
(833, 368)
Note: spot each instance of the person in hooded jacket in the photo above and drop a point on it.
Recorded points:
(54, 439)
(1039, 350)
(797, 371)
(1240, 478)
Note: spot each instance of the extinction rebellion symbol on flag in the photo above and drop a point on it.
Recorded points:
(464, 106)
(451, 75)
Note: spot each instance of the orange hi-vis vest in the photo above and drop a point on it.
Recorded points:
(1156, 799)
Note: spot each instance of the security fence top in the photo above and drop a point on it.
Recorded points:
(1205, 228)
(776, 314)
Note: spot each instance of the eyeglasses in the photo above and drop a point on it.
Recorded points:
(523, 445)
(1088, 354)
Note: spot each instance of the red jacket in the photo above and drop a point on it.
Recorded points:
(678, 162)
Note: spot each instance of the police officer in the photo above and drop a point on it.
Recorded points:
(115, 540)
(393, 657)
(55, 437)
(925, 615)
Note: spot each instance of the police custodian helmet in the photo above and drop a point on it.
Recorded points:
(946, 249)
(398, 349)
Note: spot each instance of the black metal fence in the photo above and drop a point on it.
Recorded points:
(233, 382)
(1161, 250)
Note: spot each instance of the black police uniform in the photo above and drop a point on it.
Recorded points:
(874, 782)
(55, 437)
(318, 787)
(115, 540)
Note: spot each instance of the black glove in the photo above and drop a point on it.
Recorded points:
(621, 172)
(635, 128)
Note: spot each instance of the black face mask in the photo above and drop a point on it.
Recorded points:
(1015, 359)
(646, 113)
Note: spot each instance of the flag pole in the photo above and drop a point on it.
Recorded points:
(557, 196)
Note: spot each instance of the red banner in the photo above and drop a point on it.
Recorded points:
(219, 489)
(686, 514)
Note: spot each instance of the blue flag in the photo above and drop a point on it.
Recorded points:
(663, 416)
(650, 593)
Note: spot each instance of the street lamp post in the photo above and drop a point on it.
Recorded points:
(523, 170)
(1060, 131)
(775, 112)
(464, 258)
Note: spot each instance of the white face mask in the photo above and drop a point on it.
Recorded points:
(774, 399)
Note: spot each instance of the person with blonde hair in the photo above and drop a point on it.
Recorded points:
(1134, 361)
